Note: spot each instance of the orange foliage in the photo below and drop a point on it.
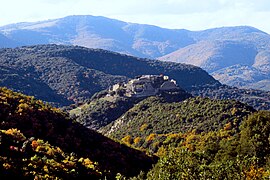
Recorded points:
(127, 140)
(143, 127)
(6, 165)
(255, 173)
(34, 144)
(228, 126)
(151, 137)
(137, 140)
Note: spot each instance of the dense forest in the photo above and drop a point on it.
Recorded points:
(31, 158)
(221, 154)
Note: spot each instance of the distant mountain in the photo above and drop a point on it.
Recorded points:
(6, 42)
(210, 55)
(211, 49)
(224, 52)
(64, 75)
(256, 98)
(100, 32)
(242, 75)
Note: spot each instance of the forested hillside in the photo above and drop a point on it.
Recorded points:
(217, 155)
(154, 118)
(198, 138)
(212, 139)
(38, 140)
(256, 98)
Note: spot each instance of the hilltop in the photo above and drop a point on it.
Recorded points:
(108, 105)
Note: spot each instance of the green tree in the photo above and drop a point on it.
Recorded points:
(255, 135)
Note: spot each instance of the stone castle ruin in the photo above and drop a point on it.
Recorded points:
(145, 85)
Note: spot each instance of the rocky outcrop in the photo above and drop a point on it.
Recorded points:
(145, 85)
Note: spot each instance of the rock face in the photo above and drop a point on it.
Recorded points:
(145, 85)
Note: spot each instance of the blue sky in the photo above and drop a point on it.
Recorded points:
(178, 14)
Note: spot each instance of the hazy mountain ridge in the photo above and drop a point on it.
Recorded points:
(241, 76)
(100, 32)
(256, 98)
(210, 55)
(220, 49)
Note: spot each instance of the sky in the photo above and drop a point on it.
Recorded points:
(174, 14)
